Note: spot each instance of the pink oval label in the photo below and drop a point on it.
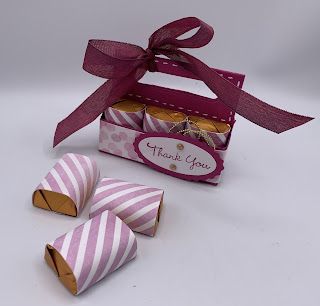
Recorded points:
(179, 156)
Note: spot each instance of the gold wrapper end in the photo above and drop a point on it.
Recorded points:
(209, 125)
(61, 268)
(165, 114)
(128, 106)
(54, 201)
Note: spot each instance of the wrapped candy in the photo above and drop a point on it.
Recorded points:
(68, 185)
(137, 205)
(159, 119)
(216, 131)
(91, 251)
(126, 113)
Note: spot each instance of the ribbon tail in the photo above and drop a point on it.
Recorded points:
(265, 115)
(93, 106)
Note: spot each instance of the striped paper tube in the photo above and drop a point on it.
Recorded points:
(218, 132)
(126, 113)
(91, 251)
(68, 185)
(137, 205)
(157, 119)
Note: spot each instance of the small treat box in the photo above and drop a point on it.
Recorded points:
(190, 139)
(160, 145)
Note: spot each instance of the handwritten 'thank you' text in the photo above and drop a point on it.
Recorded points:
(190, 159)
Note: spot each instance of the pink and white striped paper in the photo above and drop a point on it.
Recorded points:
(137, 205)
(219, 139)
(96, 248)
(132, 120)
(152, 124)
(75, 176)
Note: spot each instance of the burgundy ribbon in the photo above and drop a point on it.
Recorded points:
(124, 64)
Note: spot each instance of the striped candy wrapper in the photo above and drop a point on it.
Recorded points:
(68, 185)
(159, 120)
(126, 113)
(137, 205)
(217, 139)
(91, 251)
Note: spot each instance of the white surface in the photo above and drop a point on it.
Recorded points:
(253, 240)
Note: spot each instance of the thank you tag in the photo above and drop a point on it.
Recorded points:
(179, 156)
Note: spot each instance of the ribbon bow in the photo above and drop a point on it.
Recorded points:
(124, 64)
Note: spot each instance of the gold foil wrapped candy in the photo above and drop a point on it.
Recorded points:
(159, 119)
(68, 185)
(216, 131)
(91, 251)
(126, 113)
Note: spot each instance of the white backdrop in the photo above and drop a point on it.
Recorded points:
(44, 41)
(253, 240)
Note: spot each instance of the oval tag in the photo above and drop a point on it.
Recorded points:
(178, 155)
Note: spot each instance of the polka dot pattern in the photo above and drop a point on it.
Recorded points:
(118, 140)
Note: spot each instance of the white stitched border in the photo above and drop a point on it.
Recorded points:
(175, 65)
(182, 108)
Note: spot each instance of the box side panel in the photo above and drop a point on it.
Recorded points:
(118, 140)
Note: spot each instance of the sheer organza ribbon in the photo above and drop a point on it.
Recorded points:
(124, 64)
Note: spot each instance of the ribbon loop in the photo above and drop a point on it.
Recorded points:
(168, 34)
(125, 64)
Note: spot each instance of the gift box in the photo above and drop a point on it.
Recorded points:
(91, 251)
(177, 149)
(178, 154)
